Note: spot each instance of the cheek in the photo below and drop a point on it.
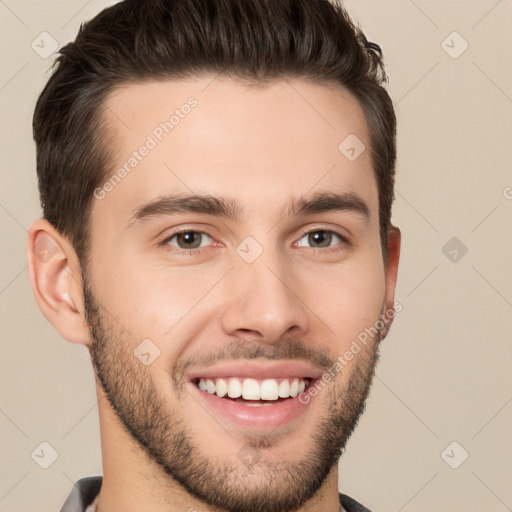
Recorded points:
(167, 307)
(352, 302)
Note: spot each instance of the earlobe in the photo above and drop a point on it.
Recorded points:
(391, 270)
(56, 281)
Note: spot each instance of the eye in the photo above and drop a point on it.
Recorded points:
(187, 241)
(323, 238)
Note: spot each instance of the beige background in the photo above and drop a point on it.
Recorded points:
(445, 369)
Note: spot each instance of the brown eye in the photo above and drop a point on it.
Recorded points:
(187, 239)
(321, 238)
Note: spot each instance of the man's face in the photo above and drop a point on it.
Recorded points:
(264, 295)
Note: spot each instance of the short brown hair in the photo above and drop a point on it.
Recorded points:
(138, 40)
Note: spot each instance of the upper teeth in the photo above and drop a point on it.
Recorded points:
(251, 389)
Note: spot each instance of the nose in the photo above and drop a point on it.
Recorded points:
(264, 301)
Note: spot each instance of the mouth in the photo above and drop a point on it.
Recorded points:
(253, 392)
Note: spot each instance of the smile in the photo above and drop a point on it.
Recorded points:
(255, 394)
(253, 390)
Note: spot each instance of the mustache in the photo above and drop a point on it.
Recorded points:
(288, 348)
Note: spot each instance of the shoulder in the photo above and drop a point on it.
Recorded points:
(351, 505)
(83, 493)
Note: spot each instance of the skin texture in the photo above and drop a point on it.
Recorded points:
(303, 298)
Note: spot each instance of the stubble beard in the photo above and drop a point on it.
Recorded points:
(227, 485)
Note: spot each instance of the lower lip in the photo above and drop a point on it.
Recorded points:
(279, 413)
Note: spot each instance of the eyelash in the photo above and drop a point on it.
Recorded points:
(198, 250)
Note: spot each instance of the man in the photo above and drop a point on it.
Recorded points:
(216, 178)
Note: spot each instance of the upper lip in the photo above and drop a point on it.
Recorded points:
(259, 370)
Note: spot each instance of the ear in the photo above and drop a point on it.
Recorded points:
(391, 271)
(56, 281)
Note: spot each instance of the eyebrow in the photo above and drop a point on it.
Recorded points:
(230, 209)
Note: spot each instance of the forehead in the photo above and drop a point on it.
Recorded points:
(259, 145)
